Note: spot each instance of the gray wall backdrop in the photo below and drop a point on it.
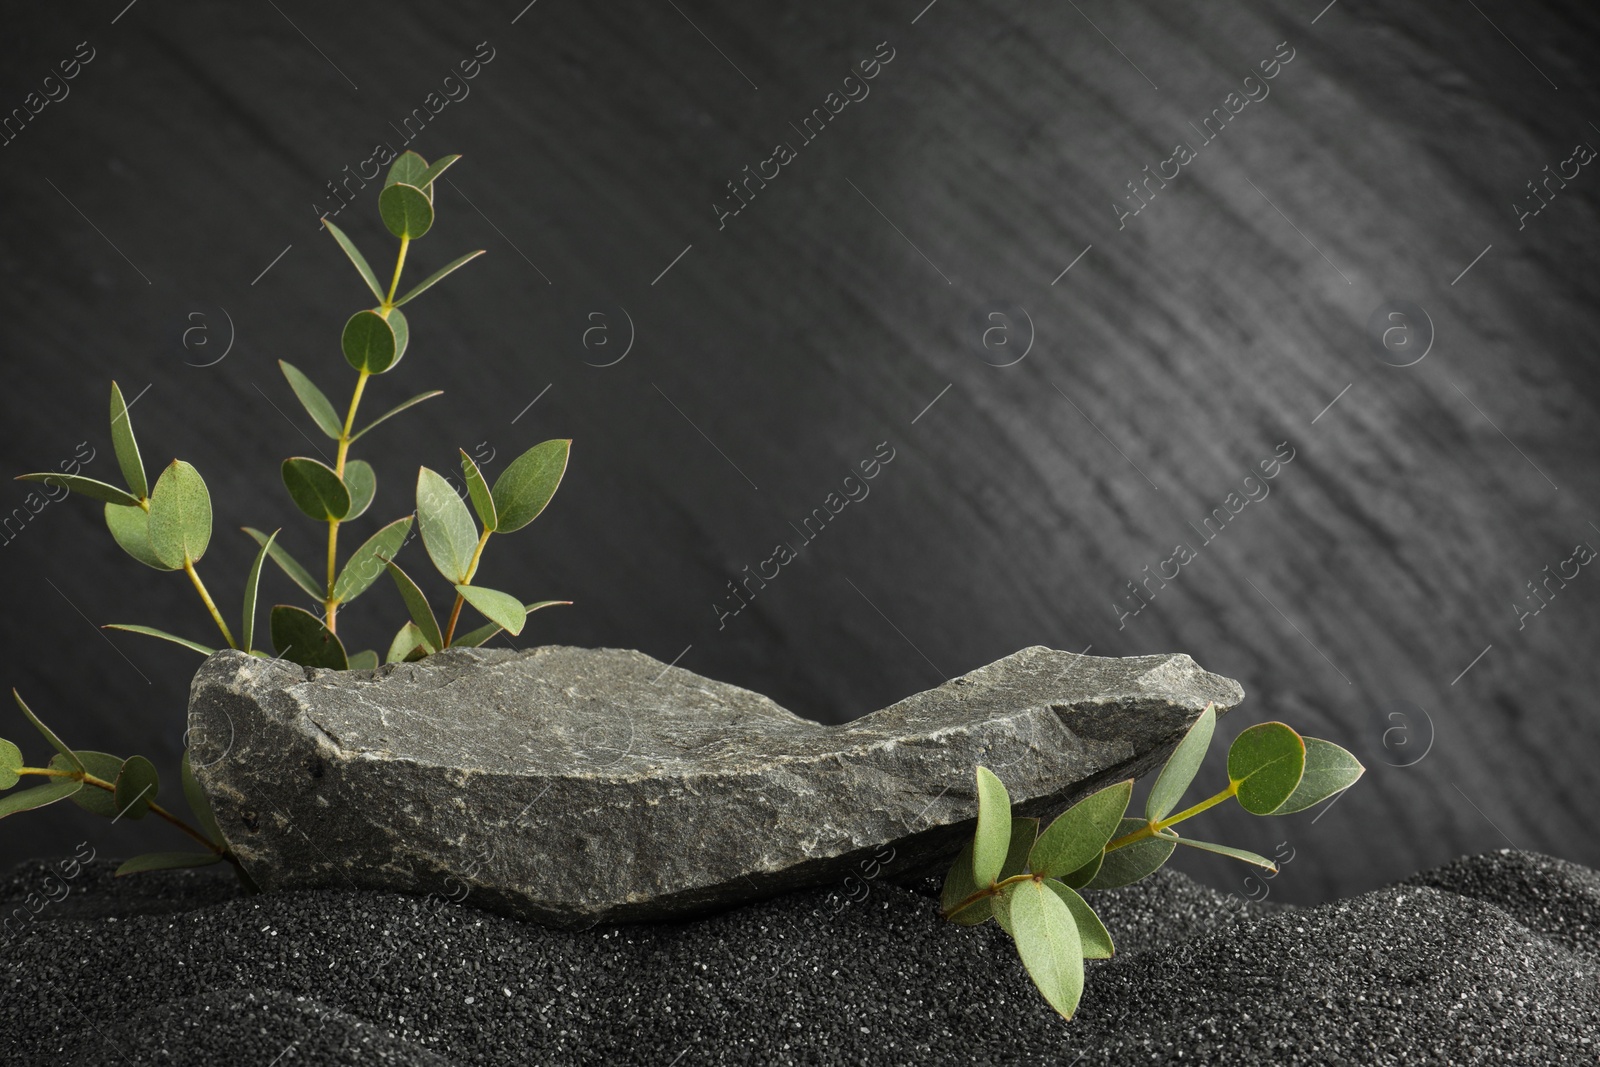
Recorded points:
(162, 211)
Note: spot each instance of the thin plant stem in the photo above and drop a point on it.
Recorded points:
(200, 587)
(472, 569)
(400, 262)
(155, 809)
(1150, 829)
(329, 604)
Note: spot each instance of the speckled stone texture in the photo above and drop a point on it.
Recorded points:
(573, 786)
(1493, 959)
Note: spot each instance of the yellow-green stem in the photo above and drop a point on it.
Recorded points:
(472, 569)
(1149, 829)
(400, 262)
(329, 604)
(200, 587)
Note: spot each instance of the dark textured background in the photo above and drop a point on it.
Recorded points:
(1176, 354)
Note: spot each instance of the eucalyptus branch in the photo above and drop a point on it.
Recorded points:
(1028, 881)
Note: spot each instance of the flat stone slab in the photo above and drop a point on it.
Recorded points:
(573, 786)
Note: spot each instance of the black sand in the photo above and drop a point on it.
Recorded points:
(1491, 959)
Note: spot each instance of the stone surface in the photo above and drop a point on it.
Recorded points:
(573, 786)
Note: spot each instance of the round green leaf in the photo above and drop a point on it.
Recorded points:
(1092, 933)
(1329, 770)
(448, 532)
(137, 785)
(503, 609)
(1128, 864)
(373, 343)
(1047, 939)
(300, 637)
(527, 484)
(180, 515)
(1266, 763)
(408, 167)
(101, 765)
(992, 841)
(10, 763)
(1181, 767)
(1074, 838)
(315, 489)
(406, 210)
(362, 483)
(130, 526)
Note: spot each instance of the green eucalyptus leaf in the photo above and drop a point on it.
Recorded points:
(408, 640)
(1084, 875)
(364, 661)
(483, 634)
(1047, 939)
(992, 840)
(48, 734)
(316, 489)
(1252, 858)
(10, 763)
(130, 526)
(357, 258)
(1001, 906)
(419, 398)
(406, 210)
(180, 515)
(371, 342)
(1265, 764)
(297, 574)
(417, 604)
(408, 167)
(101, 765)
(39, 796)
(502, 609)
(1329, 770)
(362, 483)
(167, 861)
(151, 631)
(367, 562)
(527, 484)
(252, 583)
(1024, 834)
(1181, 767)
(1130, 863)
(448, 532)
(478, 489)
(198, 804)
(300, 637)
(88, 487)
(1092, 933)
(137, 785)
(127, 449)
(1075, 837)
(958, 886)
(425, 180)
(316, 403)
(433, 279)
